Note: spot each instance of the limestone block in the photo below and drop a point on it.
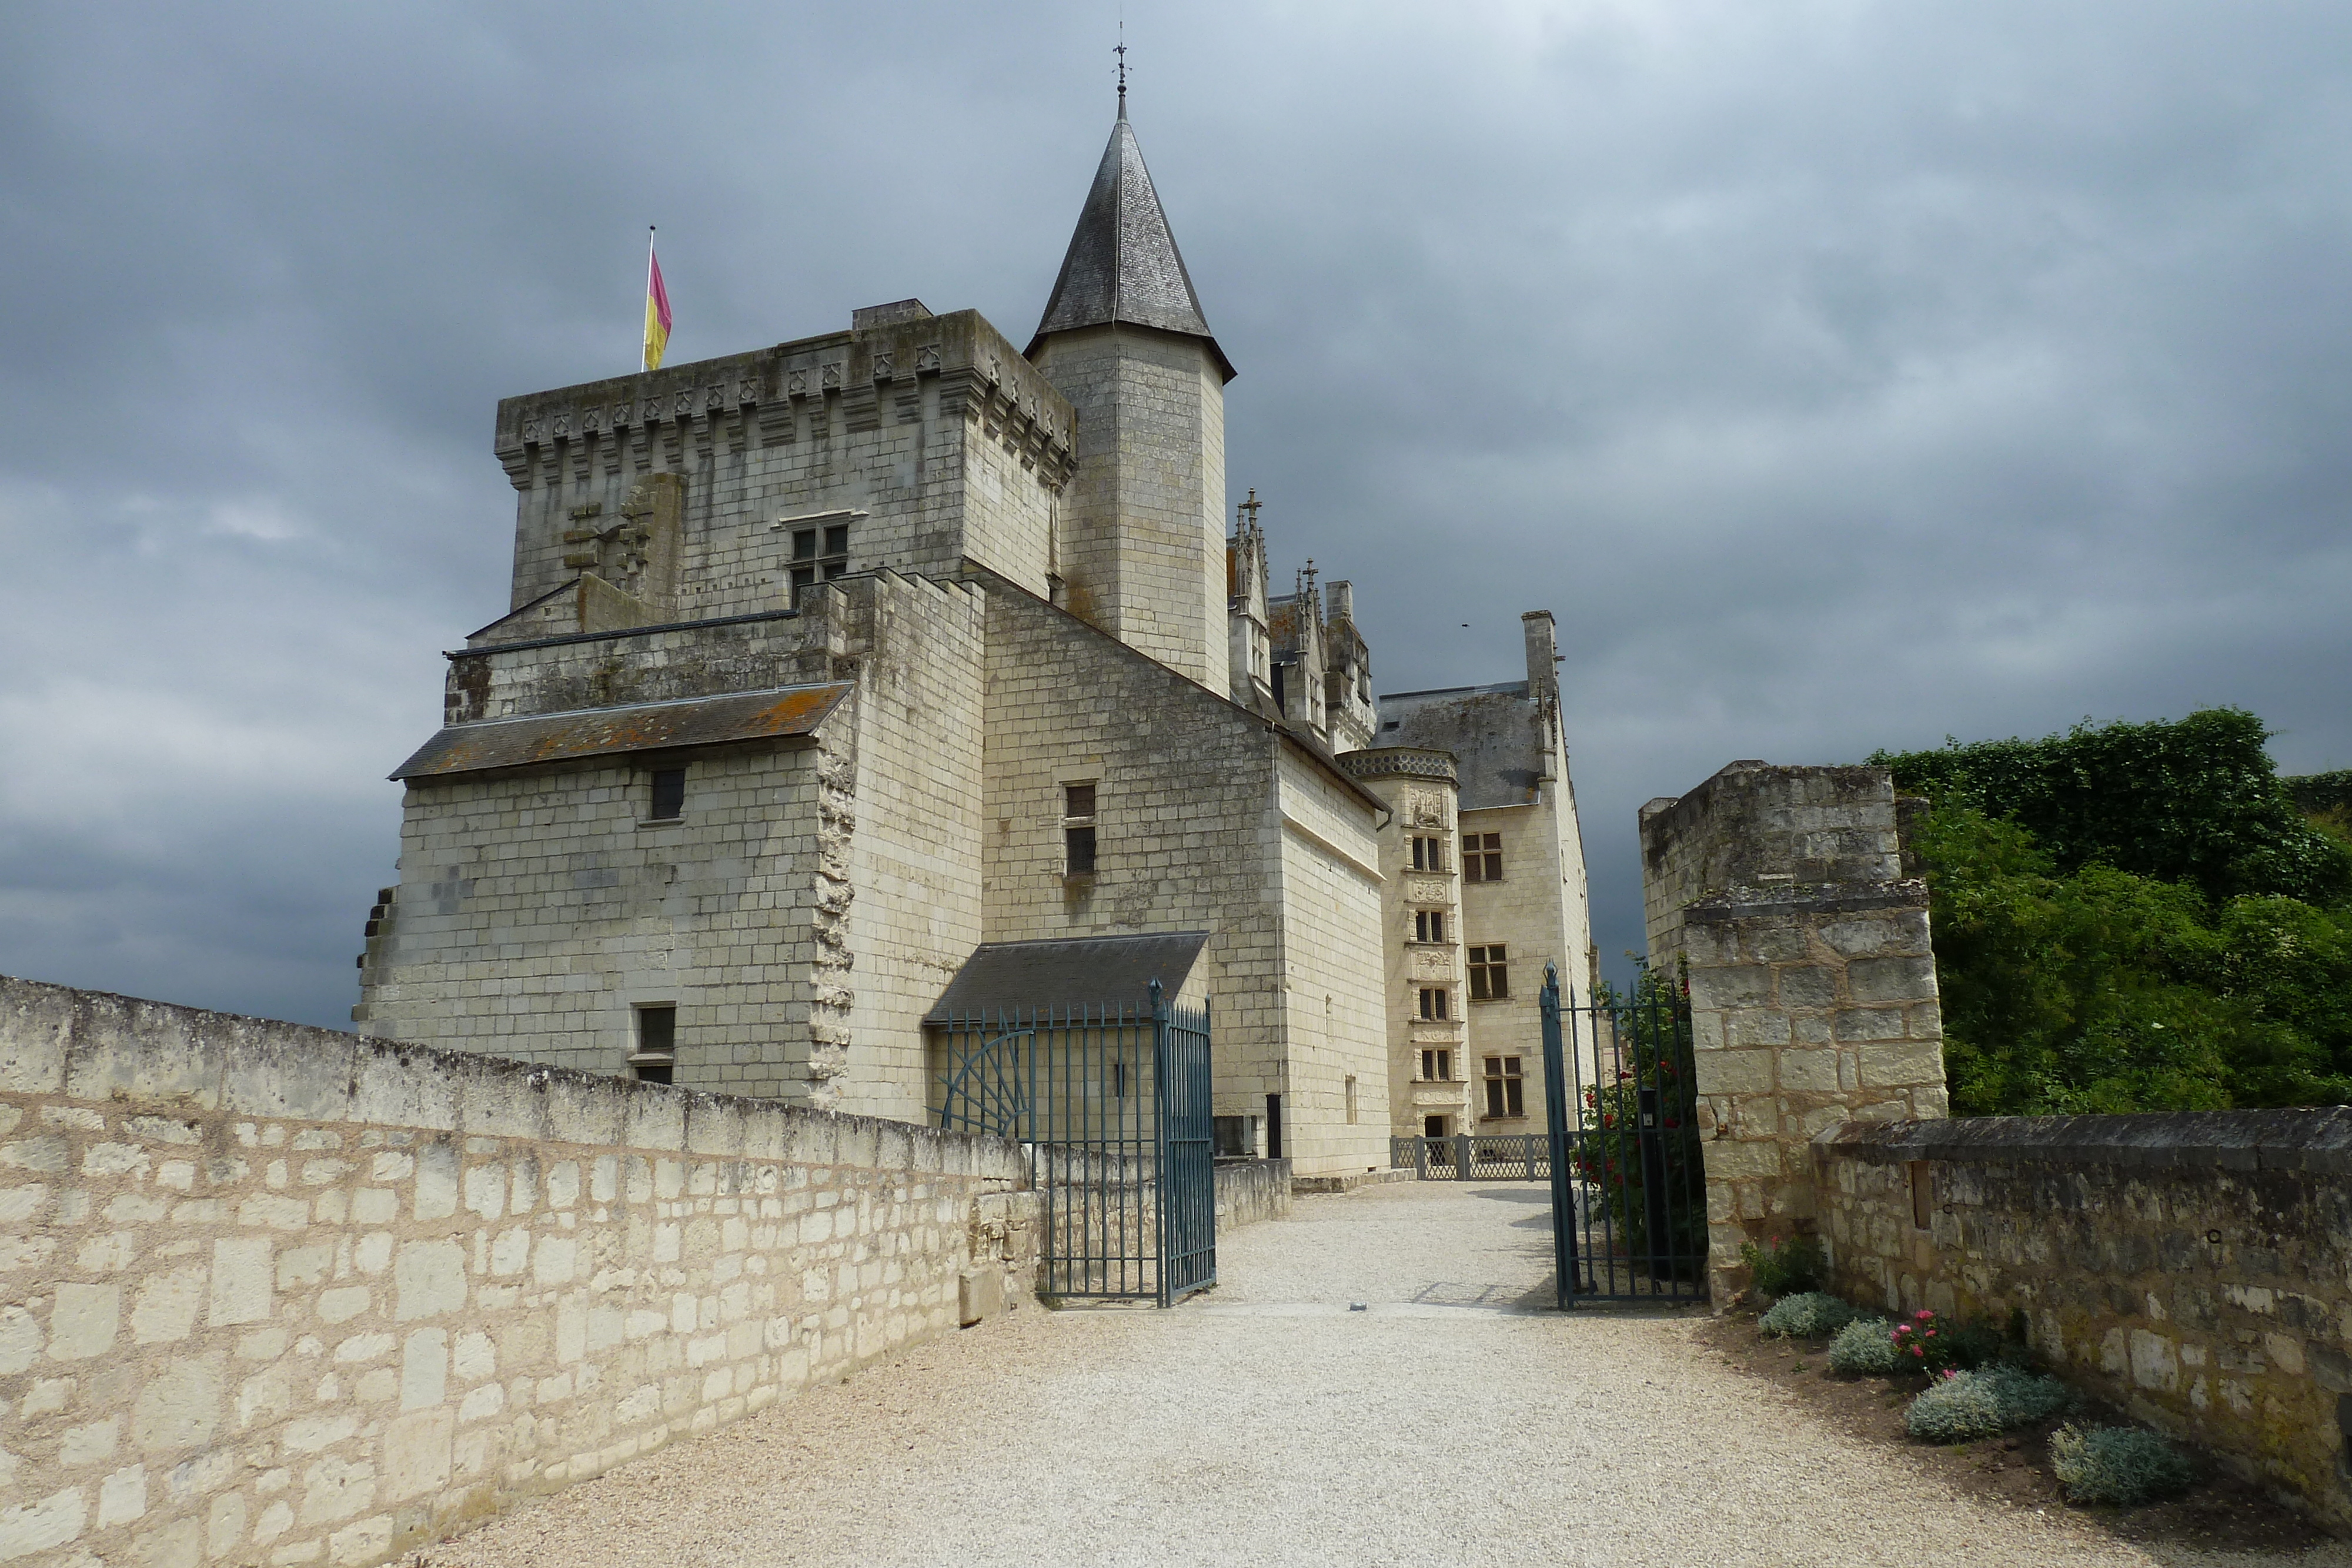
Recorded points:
(37, 1025)
(1809, 1071)
(1896, 1063)
(429, 1278)
(180, 1406)
(1732, 986)
(53, 1521)
(264, 1072)
(1733, 1071)
(83, 1320)
(1902, 979)
(417, 1453)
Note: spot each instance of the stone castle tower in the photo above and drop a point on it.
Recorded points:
(1143, 522)
(892, 665)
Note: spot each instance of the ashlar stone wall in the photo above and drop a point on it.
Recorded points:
(1777, 893)
(2195, 1268)
(278, 1295)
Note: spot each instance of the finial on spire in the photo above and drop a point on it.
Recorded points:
(1121, 52)
(1251, 506)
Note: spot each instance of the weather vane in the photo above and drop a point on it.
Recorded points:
(1120, 50)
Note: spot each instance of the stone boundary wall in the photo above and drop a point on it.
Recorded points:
(1252, 1190)
(2194, 1267)
(282, 1295)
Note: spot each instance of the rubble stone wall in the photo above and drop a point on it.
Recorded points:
(2194, 1267)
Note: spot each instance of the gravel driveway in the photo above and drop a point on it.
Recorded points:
(1268, 1424)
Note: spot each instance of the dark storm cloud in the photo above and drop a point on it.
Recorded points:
(1842, 374)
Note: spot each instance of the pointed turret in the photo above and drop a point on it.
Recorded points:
(1123, 264)
(1140, 537)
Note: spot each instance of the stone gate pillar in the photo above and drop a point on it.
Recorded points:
(1813, 979)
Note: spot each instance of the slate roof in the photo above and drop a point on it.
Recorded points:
(1122, 263)
(1495, 734)
(779, 713)
(1075, 971)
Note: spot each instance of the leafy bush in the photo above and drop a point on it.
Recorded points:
(1925, 1342)
(2116, 1464)
(2097, 989)
(2196, 802)
(1808, 1315)
(1786, 1265)
(1864, 1348)
(1963, 1407)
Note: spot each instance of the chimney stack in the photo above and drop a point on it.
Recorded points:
(1340, 602)
(1543, 652)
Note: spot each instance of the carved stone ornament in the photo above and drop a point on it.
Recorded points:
(685, 401)
(592, 418)
(715, 398)
(1431, 892)
(621, 411)
(796, 384)
(885, 367)
(530, 431)
(926, 358)
(562, 426)
(750, 391)
(830, 376)
(653, 410)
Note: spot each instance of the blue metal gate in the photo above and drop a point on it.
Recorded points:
(1628, 1192)
(1113, 1104)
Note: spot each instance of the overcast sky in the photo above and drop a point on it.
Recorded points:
(1842, 374)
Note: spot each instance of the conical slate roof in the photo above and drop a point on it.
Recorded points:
(1123, 265)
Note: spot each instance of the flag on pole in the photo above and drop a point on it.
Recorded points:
(657, 307)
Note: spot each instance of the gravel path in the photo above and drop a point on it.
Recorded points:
(1268, 1424)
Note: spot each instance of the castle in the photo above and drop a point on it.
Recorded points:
(896, 663)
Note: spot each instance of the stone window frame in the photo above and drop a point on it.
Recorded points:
(1440, 1057)
(826, 558)
(1482, 857)
(1433, 998)
(1428, 853)
(1079, 839)
(653, 1055)
(1505, 1081)
(1429, 926)
(1490, 966)
(655, 789)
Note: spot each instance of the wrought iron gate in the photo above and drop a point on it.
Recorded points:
(1628, 1192)
(1113, 1104)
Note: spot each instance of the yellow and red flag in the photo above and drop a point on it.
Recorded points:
(656, 308)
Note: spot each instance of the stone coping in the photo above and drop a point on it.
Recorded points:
(97, 1047)
(2318, 1140)
(1747, 903)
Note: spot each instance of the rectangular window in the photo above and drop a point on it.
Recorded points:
(818, 557)
(668, 800)
(1490, 974)
(1436, 1066)
(1351, 1100)
(1506, 1089)
(1482, 857)
(1078, 829)
(655, 1053)
(1274, 1127)
(1231, 1135)
(1429, 926)
(1428, 854)
(1432, 1002)
(1433, 1126)
(1923, 1194)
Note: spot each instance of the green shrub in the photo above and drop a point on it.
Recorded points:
(1807, 1315)
(2116, 1464)
(1864, 1347)
(1786, 1265)
(1963, 1407)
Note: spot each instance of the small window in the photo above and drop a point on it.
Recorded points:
(1433, 1126)
(1428, 854)
(1505, 1089)
(1432, 1002)
(1232, 1137)
(1923, 1194)
(656, 1056)
(1429, 926)
(668, 800)
(813, 565)
(1490, 974)
(1078, 829)
(1351, 1100)
(1437, 1065)
(1482, 857)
